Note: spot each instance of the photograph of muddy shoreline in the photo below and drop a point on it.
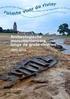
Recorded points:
(53, 83)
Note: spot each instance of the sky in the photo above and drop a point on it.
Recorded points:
(38, 20)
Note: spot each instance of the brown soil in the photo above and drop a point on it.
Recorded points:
(53, 83)
(67, 41)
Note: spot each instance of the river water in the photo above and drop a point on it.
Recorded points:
(61, 42)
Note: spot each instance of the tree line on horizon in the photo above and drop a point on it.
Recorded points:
(14, 30)
(63, 29)
(7, 30)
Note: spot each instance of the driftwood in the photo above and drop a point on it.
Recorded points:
(27, 68)
(39, 81)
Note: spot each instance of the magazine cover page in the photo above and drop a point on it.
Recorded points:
(34, 49)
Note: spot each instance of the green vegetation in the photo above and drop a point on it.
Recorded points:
(14, 30)
(7, 30)
(64, 29)
(66, 36)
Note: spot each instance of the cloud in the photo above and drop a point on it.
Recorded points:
(46, 23)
